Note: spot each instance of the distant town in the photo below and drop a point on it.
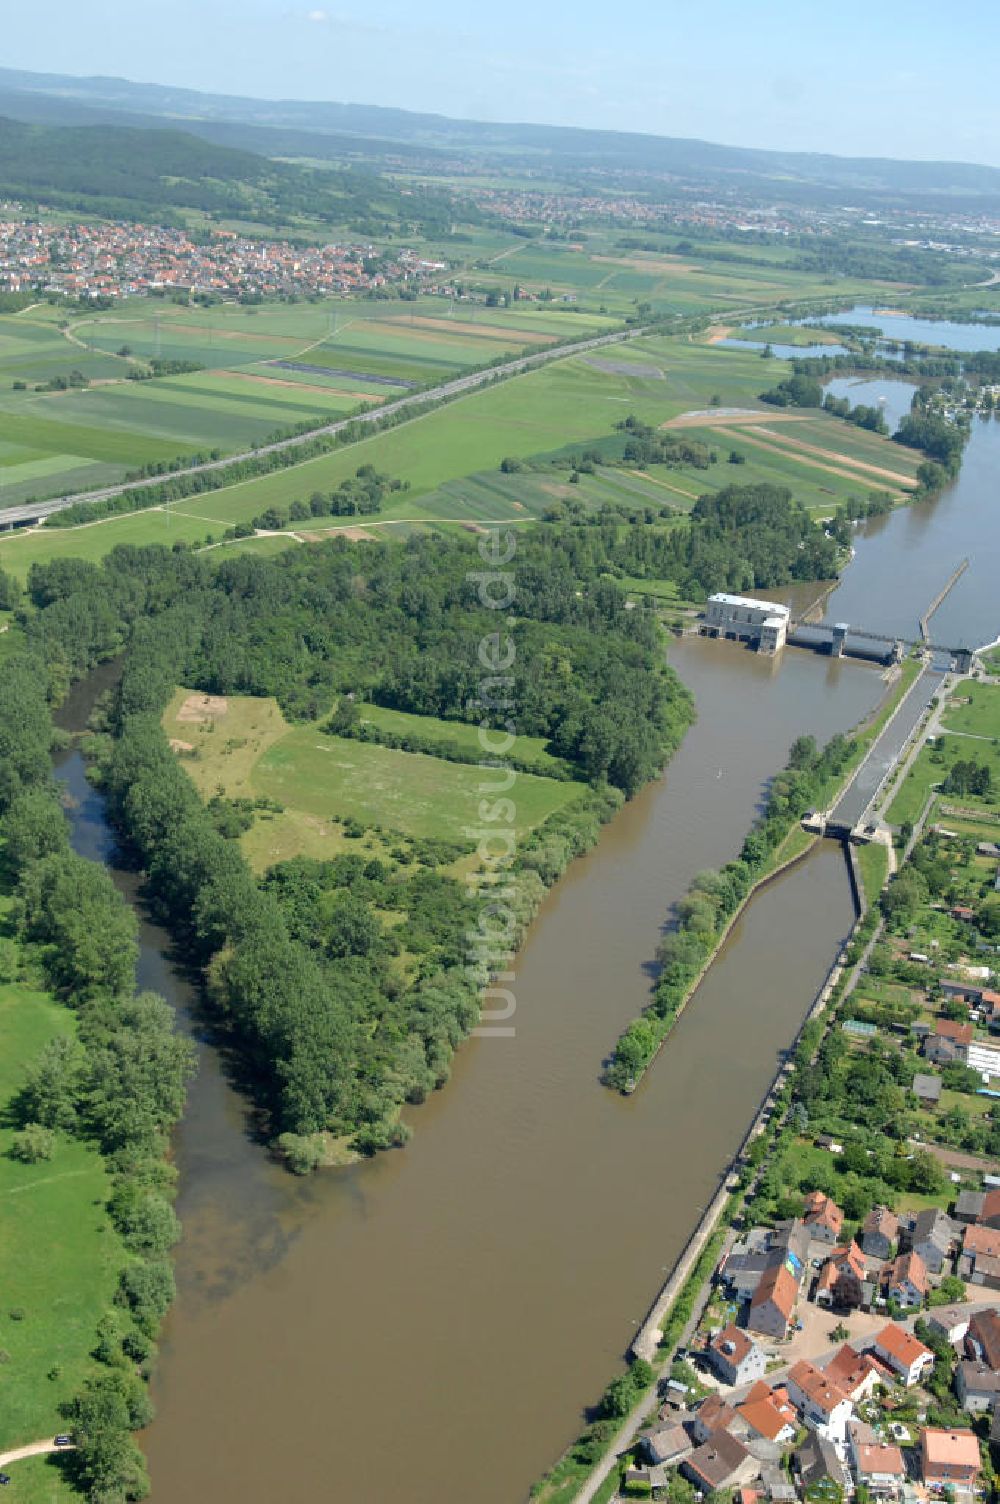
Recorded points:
(112, 260)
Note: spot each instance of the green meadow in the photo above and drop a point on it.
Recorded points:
(50, 1306)
(330, 777)
(244, 746)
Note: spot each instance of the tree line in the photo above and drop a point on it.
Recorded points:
(118, 1081)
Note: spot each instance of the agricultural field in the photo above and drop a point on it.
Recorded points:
(245, 748)
(56, 1206)
(451, 456)
(265, 368)
(595, 273)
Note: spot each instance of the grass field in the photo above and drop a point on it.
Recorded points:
(980, 717)
(56, 1207)
(786, 334)
(247, 749)
(873, 861)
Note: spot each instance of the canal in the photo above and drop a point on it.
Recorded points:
(428, 1325)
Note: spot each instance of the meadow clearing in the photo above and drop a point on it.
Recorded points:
(244, 748)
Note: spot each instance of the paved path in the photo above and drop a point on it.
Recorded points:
(33, 1449)
(38, 510)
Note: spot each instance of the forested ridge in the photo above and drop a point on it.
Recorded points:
(124, 171)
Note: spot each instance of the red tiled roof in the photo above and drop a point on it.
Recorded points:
(900, 1345)
(779, 1286)
(817, 1387)
(982, 1240)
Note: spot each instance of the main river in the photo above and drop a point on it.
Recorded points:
(427, 1326)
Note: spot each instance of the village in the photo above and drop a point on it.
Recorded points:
(107, 259)
(831, 1364)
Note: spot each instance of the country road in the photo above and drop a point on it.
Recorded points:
(33, 1449)
(36, 511)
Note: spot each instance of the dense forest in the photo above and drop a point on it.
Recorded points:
(741, 538)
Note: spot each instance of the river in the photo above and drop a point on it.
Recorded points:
(396, 1320)
(427, 1326)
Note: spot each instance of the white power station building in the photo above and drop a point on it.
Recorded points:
(743, 619)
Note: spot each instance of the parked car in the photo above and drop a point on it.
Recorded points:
(64, 1441)
(4, 1479)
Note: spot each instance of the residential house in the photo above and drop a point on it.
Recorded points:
(969, 1206)
(666, 1446)
(879, 1233)
(736, 1357)
(949, 1322)
(927, 1089)
(989, 1212)
(983, 1338)
(950, 1041)
(823, 1217)
(949, 1457)
(855, 1373)
(776, 1484)
(720, 1462)
(876, 1465)
(979, 1261)
(768, 1414)
(773, 1302)
(977, 1385)
(823, 1405)
(931, 1234)
(842, 1278)
(765, 1248)
(816, 1463)
(713, 1414)
(903, 1353)
(905, 1281)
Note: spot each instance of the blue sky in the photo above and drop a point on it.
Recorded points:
(877, 78)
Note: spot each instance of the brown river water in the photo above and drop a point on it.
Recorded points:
(429, 1326)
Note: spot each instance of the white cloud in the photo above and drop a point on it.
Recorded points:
(319, 16)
